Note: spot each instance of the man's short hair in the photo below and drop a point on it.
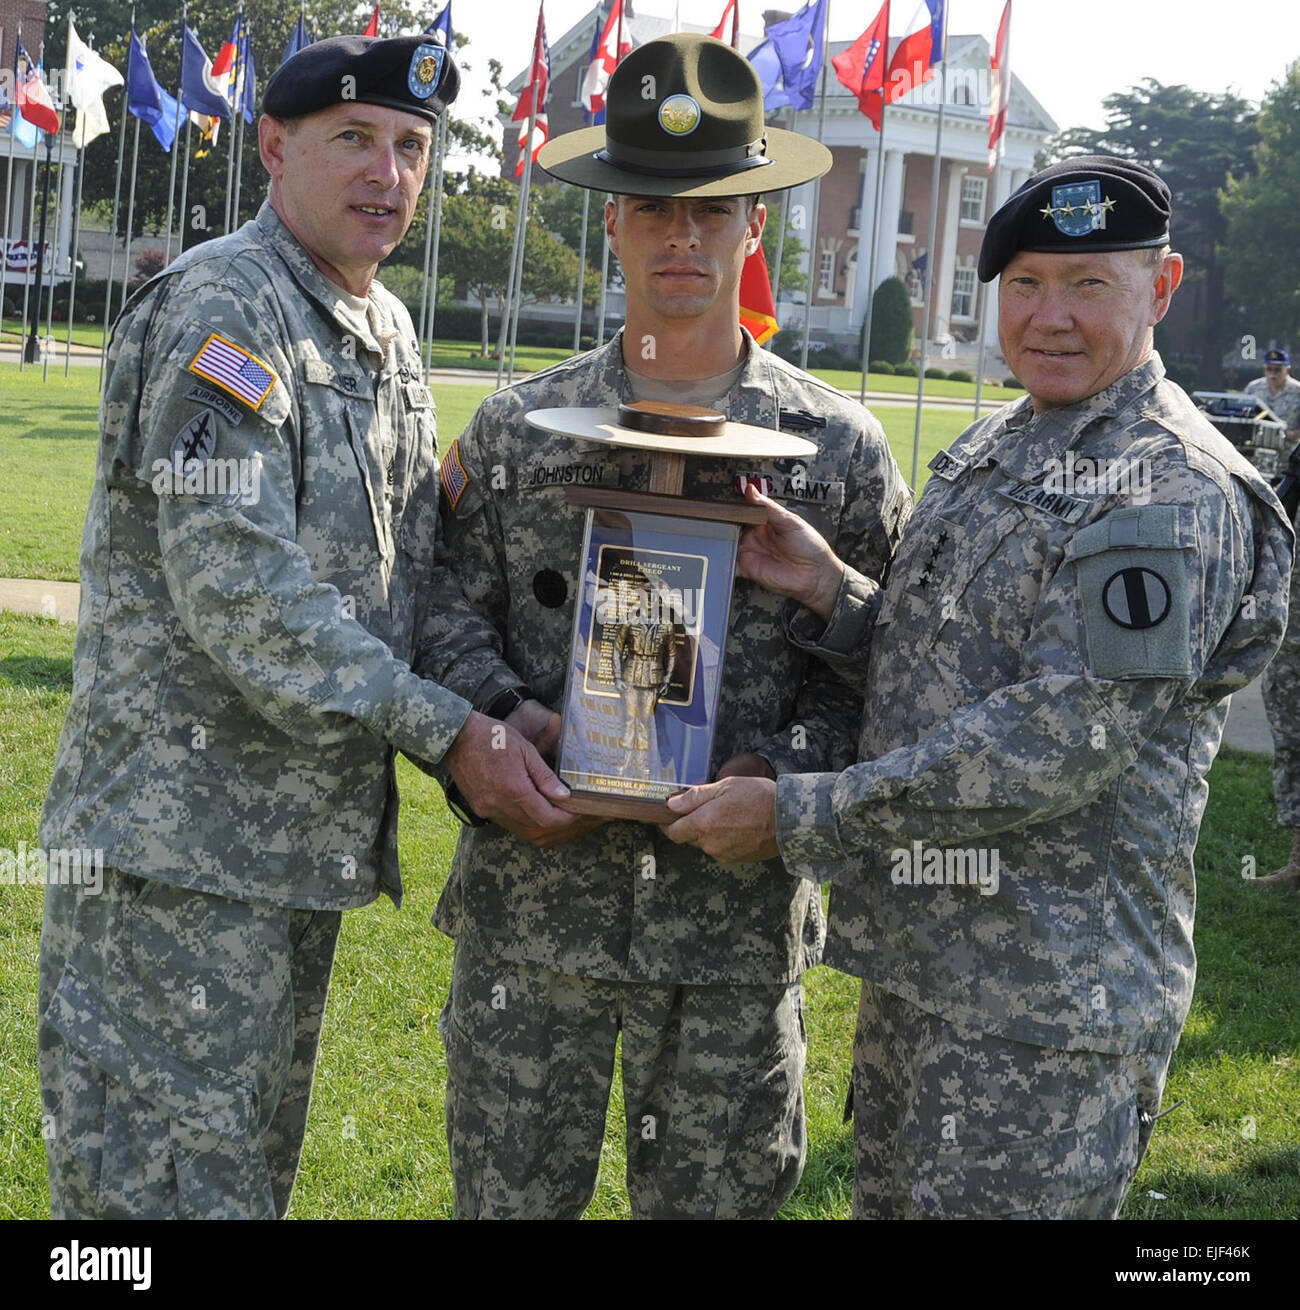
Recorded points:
(621, 196)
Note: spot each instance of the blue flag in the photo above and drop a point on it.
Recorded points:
(768, 67)
(25, 133)
(200, 91)
(297, 39)
(800, 45)
(442, 24)
(250, 76)
(145, 98)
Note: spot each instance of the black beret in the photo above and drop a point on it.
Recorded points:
(1089, 202)
(412, 73)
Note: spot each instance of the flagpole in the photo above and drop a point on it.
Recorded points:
(582, 268)
(9, 179)
(34, 343)
(1003, 106)
(435, 183)
(185, 184)
(512, 305)
(241, 85)
(176, 132)
(780, 235)
(929, 258)
(58, 218)
(875, 242)
(27, 275)
(604, 257)
(503, 336)
(817, 193)
(130, 208)
(437, 244)
(230, 145)
(76, 237)
(117, 195)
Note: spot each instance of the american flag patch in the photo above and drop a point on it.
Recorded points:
(233, 369)
(454, 477)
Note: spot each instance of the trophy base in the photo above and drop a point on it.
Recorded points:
(618, 807)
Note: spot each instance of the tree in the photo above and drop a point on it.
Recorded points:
(892, 326)
(1197, 141)
(477, 233)
(1262, 250)
(793, 277)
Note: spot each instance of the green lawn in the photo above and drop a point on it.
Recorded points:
(375, 1146)
(47, 458)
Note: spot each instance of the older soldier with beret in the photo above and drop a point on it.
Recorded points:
(614, 931)
(1089, 574)
(259, 549)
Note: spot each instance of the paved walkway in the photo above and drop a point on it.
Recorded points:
(1247, 727)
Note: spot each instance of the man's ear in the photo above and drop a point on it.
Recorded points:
(757, 219)
(611, 224)
(1170, 275)
(271, 133)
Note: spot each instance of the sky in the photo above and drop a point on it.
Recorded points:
(1070, 53)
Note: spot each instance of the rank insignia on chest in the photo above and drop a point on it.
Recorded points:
(946, 466)
(234, 370)
(742, 481)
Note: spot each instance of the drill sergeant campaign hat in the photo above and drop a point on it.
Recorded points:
(684, 118)
(412, 73)
(1087, 203)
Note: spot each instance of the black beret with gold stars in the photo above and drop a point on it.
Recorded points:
(1087, 203)
(411, 73)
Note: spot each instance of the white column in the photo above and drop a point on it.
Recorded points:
(63, 255)
(945, 269)
(866, 233)
(891, 202)
(1001, 191)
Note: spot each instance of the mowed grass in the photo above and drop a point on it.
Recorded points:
(48, 436)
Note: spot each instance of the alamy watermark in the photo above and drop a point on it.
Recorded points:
(59, 866)
(1080, 475)
(946, 866)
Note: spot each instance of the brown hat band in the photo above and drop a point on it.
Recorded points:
(639, 160)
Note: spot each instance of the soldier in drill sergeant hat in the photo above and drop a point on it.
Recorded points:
(614, 930)
(258, 557)
(1046, 680)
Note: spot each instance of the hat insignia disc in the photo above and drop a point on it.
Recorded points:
(1077, 208)
(426, 65)
(679, 115)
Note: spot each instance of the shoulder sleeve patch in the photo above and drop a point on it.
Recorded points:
(1135, 592)
(234, 370)
(454, 477)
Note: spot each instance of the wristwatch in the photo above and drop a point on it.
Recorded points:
(501, 706)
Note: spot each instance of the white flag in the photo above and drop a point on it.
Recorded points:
(89, 76)
(91, 123)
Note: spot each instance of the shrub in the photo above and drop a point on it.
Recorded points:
(891, 322)
(960, 375)
(905, 370)
(880, 366)
(1014, 383)
(937, 373)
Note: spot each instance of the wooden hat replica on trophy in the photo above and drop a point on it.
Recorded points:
(654, 605)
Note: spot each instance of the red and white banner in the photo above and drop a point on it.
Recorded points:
(1000, 97)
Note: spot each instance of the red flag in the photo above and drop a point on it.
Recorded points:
(372, 27)
(534, 94)
(614, 43)
(918, 52)
(1000, 67)
(34, 102)
(757, 312)
(861, 67)
(733, 8)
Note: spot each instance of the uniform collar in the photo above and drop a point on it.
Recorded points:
(313, 282)
(1024, 445)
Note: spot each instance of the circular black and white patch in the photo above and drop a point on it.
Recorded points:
(550, 588)
(1136, 598)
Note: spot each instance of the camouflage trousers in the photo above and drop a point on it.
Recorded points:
(178, 1036)
(950, 1124)
(1281, 686)
(712, 1082)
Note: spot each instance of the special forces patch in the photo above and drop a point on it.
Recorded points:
(1077, 208)
(197, 440)
(426, 64)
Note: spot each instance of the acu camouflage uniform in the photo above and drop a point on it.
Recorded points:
(240, 681)
(1281, 683)
(1046, 685)
(698, 963)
